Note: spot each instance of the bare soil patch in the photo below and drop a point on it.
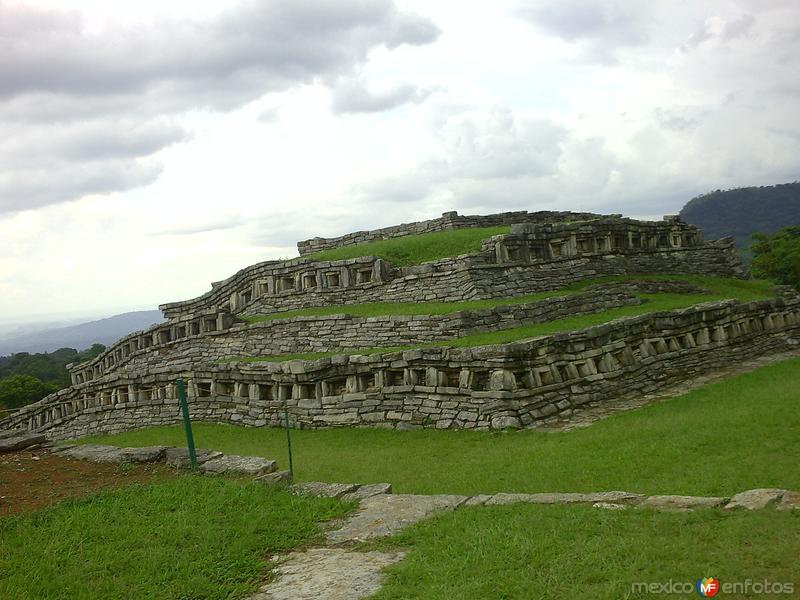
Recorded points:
(30, 480)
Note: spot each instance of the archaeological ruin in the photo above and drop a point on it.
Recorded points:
(418, 380)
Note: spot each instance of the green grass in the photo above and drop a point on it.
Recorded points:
(737, 434)
(187, 537)
(528, 551)
(417, 249)
(720, 289)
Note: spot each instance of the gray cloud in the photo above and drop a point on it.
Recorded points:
(483, 151)
(718, 29)
(103, 96)
(579, 20)
(354, 96)
(254, 47)
(24, 189)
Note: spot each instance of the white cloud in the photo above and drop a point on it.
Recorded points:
(224, 140)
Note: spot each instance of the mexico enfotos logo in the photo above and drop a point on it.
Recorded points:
(708, 587)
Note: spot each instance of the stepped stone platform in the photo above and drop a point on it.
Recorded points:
(529, 383)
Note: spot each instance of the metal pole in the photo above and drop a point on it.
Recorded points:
(187, 424)
(288, 437)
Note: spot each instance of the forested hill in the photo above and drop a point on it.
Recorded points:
(743, 211)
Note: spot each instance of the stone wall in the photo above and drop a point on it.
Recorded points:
(477, 388)
(338, 333)
(532, 258)
(448, 221)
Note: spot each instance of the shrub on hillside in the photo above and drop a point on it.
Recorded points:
(19, 390)
(777, 256)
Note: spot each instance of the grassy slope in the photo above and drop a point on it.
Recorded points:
(525, 551)
(416, 249)
(737, 434)
(720, 288)
(188, 537)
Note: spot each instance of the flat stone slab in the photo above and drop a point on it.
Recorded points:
(231, 464)
(114, 454)
(274, 478)
(179, 457)
(609, 506)
(755, 499)
(387, 514)
(681, 502)
(328, 574)
(563, 498)
(327, 490)
(20, 441)
(367, 491)
(94, 453)
(478, 500)
(790, 501)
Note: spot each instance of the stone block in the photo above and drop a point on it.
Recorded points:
(756, 499)
(367, 491)
(327, 490)
(179, 457)
(680, 503)
(231, 464)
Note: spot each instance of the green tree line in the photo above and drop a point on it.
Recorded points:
(27, 378)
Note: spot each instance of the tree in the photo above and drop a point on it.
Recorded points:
(777, 256)
(19, 390)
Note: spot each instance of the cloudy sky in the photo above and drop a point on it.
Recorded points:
(148, 148)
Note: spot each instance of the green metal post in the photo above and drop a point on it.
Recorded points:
(288, 437)
(187, 424)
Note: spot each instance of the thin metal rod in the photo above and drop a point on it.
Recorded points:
(187, 423)
(288, 437)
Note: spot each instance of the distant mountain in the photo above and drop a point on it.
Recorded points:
(80, 336)
(744, 211)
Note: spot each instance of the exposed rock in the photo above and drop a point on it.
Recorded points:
(231, 464)
(563, 498)
(328, 574)
(681, 502)
(328, 490)
(20, 441)
(790, 501)
(95, 453)
(368, 490)
(179, 457)
(609, 506)
(478, 500)
(386, 514)
(755, 499)
(274, 478)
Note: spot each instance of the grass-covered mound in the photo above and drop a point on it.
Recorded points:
(417, 249)
(187, 537)
(737, 434)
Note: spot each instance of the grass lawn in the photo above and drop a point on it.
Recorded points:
(416, 249)
(720, 288)
(737, 434)
(187, 537)
(529, 551)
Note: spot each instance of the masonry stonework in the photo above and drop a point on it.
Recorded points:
(132, 384)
